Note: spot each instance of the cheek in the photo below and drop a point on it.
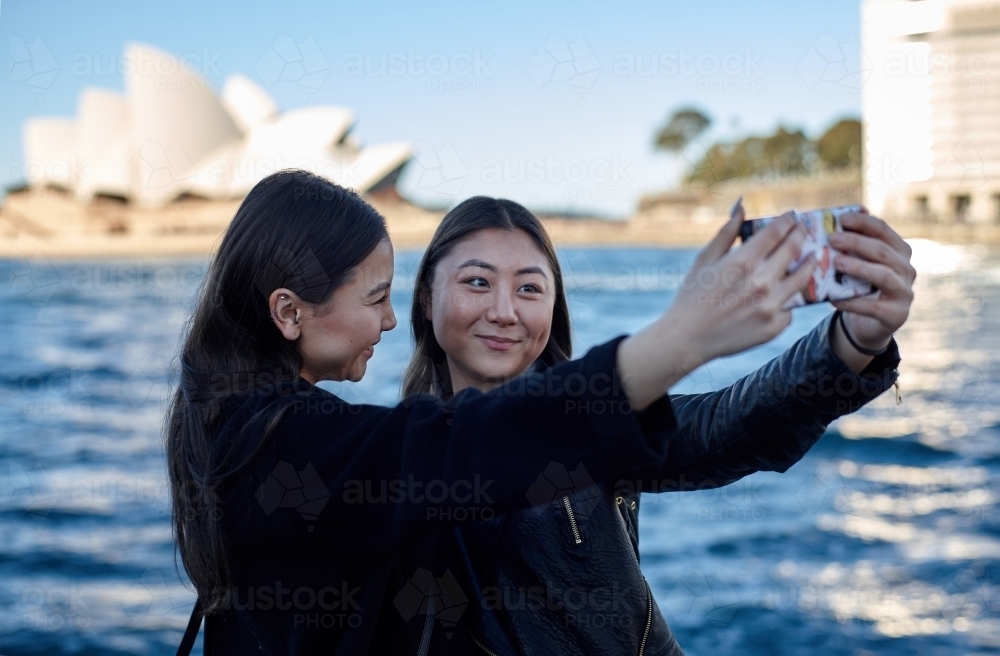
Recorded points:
(455, 311)
(448, 333)
(360, 330)
(458, 303)
(369, 326)
(451, 325)
(343, 336)
(538, 322)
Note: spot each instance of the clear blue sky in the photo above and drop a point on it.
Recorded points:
(520, 125)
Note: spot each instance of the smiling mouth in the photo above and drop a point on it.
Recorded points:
(498, 343)
(370, 351)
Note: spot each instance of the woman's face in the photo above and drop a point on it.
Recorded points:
(336, 339)
(491, 306)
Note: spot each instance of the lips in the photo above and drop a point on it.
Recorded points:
(370, 351)
(496, 343)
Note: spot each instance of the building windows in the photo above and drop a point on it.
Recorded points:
(921, 208)
(996, 208)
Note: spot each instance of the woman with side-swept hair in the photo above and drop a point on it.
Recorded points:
(563, 577)
(429, 370)
(276, 483)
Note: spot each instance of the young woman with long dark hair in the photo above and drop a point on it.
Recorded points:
(563, 577)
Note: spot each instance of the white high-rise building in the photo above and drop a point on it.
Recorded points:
(931, 109)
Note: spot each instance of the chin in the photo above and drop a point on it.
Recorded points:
(357, 372)
(498, 374)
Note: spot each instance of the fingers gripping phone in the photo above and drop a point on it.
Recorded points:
(826, 283)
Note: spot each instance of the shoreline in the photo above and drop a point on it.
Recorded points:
(51, 225)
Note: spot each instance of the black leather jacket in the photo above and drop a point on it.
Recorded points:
(564, 577)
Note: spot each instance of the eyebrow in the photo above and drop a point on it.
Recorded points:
(381, 287)
(477, 263)
(489, 267)
(531, 269)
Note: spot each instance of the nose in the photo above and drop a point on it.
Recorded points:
(501, 308)
(389, 317)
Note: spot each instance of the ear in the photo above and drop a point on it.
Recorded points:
(286, 308)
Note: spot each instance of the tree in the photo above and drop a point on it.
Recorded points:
(685, 125)
(780, 154)
(841, 144)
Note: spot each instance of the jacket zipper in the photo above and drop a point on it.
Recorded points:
(649, 618)
(649, 595)
(572, 521)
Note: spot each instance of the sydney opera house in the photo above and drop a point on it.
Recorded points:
(170, 135)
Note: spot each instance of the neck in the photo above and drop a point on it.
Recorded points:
(461, 381)
(482, 386)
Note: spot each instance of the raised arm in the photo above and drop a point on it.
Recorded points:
(767, 420)
(730, 301)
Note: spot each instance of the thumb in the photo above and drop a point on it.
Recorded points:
(723, 239)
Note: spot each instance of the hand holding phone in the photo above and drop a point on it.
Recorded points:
(826, 283)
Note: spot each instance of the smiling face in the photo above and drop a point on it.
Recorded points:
(336, 339)
(491, 306)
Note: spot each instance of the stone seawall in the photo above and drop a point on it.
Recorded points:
(51, 224)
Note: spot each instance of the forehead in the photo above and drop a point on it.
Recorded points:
(381, 257)
(377, 267)
(504, 249)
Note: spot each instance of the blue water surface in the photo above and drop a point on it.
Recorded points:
(885, 538)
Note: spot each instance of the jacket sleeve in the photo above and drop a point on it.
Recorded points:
(376, 472)
(766, 421)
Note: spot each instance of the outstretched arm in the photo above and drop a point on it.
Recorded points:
(729, 301)
(769, 419)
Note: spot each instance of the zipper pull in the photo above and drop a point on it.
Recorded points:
(899, 395)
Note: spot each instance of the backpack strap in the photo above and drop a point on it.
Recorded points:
(425, 636)
(191, 633)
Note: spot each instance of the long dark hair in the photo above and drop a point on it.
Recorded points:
(428, 368)
(293, 230)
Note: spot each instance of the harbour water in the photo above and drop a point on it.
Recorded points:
(884, 539)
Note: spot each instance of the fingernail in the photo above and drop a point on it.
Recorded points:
(737, 206)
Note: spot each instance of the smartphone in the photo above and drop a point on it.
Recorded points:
(826, 284)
